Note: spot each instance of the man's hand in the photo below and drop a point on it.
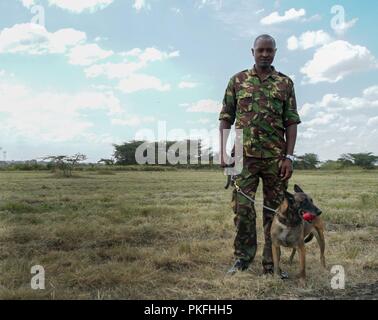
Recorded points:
(227, 162)
(286, 169)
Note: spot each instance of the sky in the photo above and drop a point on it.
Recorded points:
(80, 76)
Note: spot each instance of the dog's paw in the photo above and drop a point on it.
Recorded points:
(284, 275)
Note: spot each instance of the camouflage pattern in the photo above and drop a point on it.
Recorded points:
(263, 109)
(245, 243)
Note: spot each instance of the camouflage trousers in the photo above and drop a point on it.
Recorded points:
(268, 170)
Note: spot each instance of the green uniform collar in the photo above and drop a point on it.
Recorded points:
(274, 74)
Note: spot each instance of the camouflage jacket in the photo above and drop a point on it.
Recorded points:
(263, 109)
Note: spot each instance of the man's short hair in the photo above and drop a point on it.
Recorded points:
(265, 37)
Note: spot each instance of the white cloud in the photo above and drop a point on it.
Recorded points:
(50, 116)
(315, 17)
(329, 142)
(138, 82)
(308, 39)
(347, 128)
(333, 61)
(102, 87)
(78, 6)
(345, 122)
(204, 121)
(289, 15)
(139, 4)
(36, 40)
(174, 54)
(371, 92)
(342, 28)
(133, 121)
(130, 80)
(293, 43)
(153, 54)
(99, 39)
(87, 54)
(125, 69)
(187, 85)
(206, 105)
(334, 103)
(28, 3)
(321, 119)
(216, 4)
(113, 70)
(133, 52)
(63, 39)
(373, 121)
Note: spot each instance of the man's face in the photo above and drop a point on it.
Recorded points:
(264, 52)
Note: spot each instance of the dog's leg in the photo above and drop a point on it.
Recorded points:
(276, 259)
(302, 262)
(292, 256)
(321, 243)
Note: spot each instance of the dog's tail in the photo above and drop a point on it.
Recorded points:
(309, 237)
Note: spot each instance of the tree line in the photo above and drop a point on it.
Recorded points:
(365, 160)
(124, 158)
(124, 154)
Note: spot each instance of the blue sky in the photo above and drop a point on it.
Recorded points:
(97, 72)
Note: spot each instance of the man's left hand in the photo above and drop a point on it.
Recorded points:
(286, 169)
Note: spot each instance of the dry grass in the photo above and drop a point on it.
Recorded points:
(169, 235)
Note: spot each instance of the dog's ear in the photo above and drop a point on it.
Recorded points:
(282, 209)
(297, 188)
(289, 196)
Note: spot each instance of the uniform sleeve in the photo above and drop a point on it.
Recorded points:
(229, 104)
(290, 114)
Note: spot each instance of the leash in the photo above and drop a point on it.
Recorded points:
(239, 190)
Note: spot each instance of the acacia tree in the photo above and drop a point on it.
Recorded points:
(306, 161)
(107, 162)
(66, 163)
(125, 154)
(364, 160)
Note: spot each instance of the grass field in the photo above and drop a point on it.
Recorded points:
(169, 235)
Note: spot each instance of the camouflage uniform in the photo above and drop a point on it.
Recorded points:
(263, 110)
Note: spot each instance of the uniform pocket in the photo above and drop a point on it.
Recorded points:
(277, 100)
(245, 101)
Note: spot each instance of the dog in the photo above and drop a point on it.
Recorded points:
(290, 228)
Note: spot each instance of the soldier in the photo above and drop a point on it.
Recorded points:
(261, 101)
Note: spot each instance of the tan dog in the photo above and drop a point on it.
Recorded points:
(290, 229)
